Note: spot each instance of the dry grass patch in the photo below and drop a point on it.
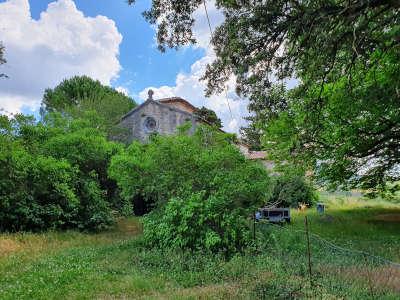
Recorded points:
(386, 277)
(395, 217)
(8, 246)
(34, 244)
(377, 278)
(213, 291)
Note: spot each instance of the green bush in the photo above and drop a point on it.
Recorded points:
(53, 174)
(36, 192)
(87, 149)
(198, 223)
(178, 166)
(202, 187)
(290, 190)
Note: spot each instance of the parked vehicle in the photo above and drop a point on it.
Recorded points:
(274, 215)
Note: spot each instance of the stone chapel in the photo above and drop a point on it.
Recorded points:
(161, 116)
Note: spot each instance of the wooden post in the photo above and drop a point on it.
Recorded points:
(308, 251)
(254, 226)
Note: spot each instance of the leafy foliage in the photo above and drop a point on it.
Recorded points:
(209, 116)
(251, 135)
(347, 48)
(264, 110)
(177, 166)
(53, 174)
(290, 190)
(196, 223)
(350, 136)
(312, 40)
(36, 192)
(199, 183)
(306, 37)
(79, 94)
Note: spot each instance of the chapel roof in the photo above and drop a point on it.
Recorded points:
(178, 100)
(170, 105)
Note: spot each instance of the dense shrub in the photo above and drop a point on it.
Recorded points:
(36, 192)
(177, 166)
(290, 190)
(198, 223)
(202, 187)
(86, 148)
(53, 174)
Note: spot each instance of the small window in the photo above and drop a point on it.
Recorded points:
(150, 124)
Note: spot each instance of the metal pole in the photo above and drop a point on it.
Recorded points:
(308, 250)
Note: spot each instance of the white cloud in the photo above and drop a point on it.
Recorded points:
(227, 106)
(201, 29)
(190, 87)
(61, 44)
(122, 90)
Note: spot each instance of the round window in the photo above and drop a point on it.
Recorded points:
(150, 124)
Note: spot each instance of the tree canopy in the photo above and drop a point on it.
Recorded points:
(352, 138)
(283, 37)
(264, 110)
(342, 118)
(53, 174)
(79, 94)
(209, 116)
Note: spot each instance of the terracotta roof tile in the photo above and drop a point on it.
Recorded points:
(177, 99)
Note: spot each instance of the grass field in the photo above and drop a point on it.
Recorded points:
(114, 264)
(369, 225)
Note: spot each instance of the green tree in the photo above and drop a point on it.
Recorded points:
(282, 37)
(209, 116)
(80, 94)
(53, 174)
(203, 176)
(172, 166)
(321, 43)
(289, 190)
(251, 135)
(352, 137)
(264, 110)
(85, 147)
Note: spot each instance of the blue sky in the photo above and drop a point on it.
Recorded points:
(49, 40)
(139, 57)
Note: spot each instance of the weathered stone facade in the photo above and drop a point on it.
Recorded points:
(161, 116)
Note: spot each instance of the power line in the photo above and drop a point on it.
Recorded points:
(208, 18)
(211, 32)
(227, 101)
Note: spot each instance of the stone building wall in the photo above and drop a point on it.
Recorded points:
(151, 117)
